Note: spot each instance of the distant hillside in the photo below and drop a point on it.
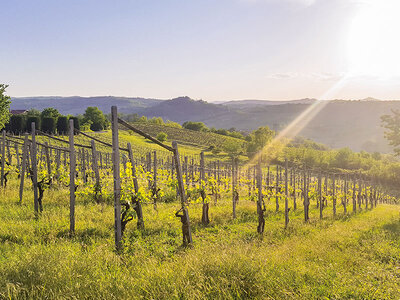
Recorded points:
(184, 109)
(256, 103)
(188, 137)
(354, 124)
(77, 105)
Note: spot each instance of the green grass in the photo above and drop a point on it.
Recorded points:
(142, 146)
(347, 257)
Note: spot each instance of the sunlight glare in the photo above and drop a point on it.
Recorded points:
(373, 41)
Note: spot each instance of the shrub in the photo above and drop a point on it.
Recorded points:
(17, 124)
(30, 120)
(62, 125)
(162, 136)
(76, 122)
(49, 125)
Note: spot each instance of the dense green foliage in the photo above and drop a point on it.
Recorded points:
(162, 136)
(258, 139)
(5, 101)
(62, 125)
(17, 125)
(50, 112)
(96, 117)
(76, 123)
(392, 124)
(49, 125)
(30, 120)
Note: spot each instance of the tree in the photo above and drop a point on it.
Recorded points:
(4, 106)
(196, 126)
(95, 115)
(17, 124)
(29, 122)
(33, 113)
(62, 125)
(49, 125)
(392, 124)
(76, 123)
(259, 138)
(50, 112)
(162, 136)
(173, 124)
(156, 120)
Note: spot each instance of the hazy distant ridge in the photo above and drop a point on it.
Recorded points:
(339, 124)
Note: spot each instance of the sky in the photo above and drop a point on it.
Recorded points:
(213, 50)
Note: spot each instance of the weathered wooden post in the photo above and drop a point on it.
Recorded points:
(354, 197)
(204, 217)
(155, 192)
(294, 190)
(260, 206)
(95, 167)
(345, 196)
(23, 168)
(83, 165)
(306, 201)
(138, 209)
(277, 189)
(17, 156)
(186, 231)
(48, 162)
(72, 171)
(34, 170)
(321, 205)
(117, 179)
(234, 191)
(334, 195)
(3, 156)
(286, 195)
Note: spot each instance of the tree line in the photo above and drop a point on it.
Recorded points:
(51, 121)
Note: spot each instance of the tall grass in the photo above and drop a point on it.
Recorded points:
(349, 257)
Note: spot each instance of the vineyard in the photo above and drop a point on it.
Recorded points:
(160, 201)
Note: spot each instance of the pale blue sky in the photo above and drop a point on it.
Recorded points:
(208, 49)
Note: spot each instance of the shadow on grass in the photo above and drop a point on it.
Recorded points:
(393, 230)
(8, 238)
(85, 236)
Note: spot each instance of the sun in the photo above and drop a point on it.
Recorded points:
(374, 40)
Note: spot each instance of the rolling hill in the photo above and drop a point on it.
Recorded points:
(354, 124)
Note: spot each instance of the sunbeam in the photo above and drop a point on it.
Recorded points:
(299, 123)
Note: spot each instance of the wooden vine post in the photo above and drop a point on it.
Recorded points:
(34, 169)
(234, 191)
(321, 204)
(154, 185)
(354, 197)
(72, 174)
(286, 195)
(3, 156)
(294, 190)
(117, 179)
(23, 168)
(277, 189)
(186, 231)
(138, 208)
(260, 206)
(344, 201)
(205, 220)
(48, 162)
(95, 168)
(334, 195)
(306, 200)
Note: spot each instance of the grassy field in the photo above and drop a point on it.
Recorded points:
(349, 257)
(141, 146)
